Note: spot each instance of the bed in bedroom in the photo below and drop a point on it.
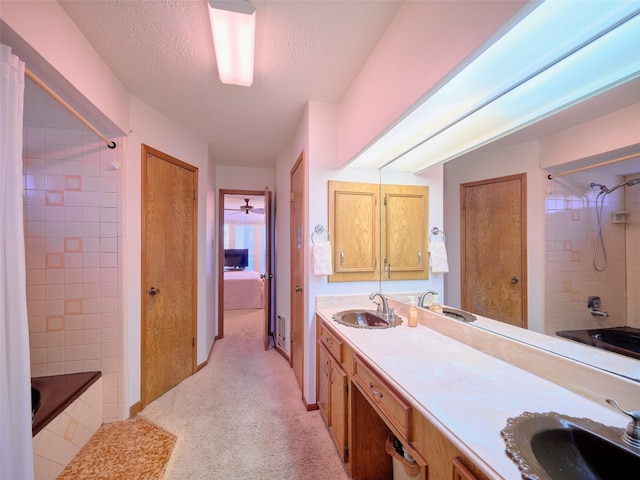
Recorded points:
(242, 289)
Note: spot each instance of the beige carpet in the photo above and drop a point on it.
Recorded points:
(133, 449)
(242, 416)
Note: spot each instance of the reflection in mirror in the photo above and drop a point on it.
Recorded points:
(432, 178)
(561, 221)
(562, 229)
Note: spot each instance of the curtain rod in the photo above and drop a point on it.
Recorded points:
(29, 74)
(589, 167)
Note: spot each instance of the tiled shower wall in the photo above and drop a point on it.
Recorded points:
(571, 232)
(73, 238)
(632, 205)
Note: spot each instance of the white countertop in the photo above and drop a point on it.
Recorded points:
(467, 394)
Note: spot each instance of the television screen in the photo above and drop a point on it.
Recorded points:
(236, 258)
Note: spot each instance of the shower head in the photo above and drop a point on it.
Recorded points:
(629, 183)
(632, 182)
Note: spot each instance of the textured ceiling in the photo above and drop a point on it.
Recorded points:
(163, 53)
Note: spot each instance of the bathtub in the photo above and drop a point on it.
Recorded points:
(622, 340)
(55, 393)
(70, 412)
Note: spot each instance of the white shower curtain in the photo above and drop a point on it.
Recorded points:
(16, 452)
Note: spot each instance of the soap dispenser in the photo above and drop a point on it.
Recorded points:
(413, 312)
(435, 305)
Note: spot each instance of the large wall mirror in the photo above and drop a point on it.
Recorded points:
(562, 227)
(481, 125)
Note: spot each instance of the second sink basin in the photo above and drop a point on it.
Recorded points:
(458, 314)
(550, 446)
(364, 319)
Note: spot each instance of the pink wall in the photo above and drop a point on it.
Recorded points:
(425, 43)
(50, 32)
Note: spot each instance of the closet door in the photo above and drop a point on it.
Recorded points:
(169, 269)
(494, 254)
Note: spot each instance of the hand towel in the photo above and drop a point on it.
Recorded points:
(438, 257)
(322, 261)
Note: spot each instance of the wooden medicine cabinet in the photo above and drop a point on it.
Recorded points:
(379, 231)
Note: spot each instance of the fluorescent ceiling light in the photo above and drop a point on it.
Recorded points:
(562, 53)
(233, 25)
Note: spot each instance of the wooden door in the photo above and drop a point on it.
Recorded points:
(267, 276)
(493, 230)
(297, 249)
(169, 246)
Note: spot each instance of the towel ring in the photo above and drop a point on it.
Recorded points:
(436, 231)
(319, 229)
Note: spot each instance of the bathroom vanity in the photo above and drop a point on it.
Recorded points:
(440, 395)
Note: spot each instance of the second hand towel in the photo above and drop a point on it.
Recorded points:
(438, 257)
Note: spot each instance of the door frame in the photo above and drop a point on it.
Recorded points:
(268, 243)
(145, 149)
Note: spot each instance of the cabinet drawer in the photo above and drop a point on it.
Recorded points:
(331, 341)
(395, 409)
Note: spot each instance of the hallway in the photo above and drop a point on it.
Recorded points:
(242, 415)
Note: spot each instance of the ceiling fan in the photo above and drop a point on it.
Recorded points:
(246, 208)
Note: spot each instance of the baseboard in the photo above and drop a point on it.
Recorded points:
(135, 409)
(311, 406)
(206, 362)
(282, 352)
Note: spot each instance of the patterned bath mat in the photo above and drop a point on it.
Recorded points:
(133, 449)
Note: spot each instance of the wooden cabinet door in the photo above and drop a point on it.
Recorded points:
(338, 407)
(460, 471)
(324, 368)
(354, 219)
(332, 398)
(404, 232)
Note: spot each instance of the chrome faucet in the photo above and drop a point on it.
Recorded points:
(423, 295)
(383, 309)
(631, 435)
(594, 303)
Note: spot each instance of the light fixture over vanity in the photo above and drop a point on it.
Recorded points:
(561, 53)
(233, 25)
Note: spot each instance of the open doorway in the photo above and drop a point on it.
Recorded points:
(245, 258)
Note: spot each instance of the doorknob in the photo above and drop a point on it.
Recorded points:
(514, 280)
(153, 291)
(298, 289)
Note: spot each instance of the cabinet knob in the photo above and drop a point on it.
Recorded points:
(376, 393)
(153, 291)
(514, 280)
